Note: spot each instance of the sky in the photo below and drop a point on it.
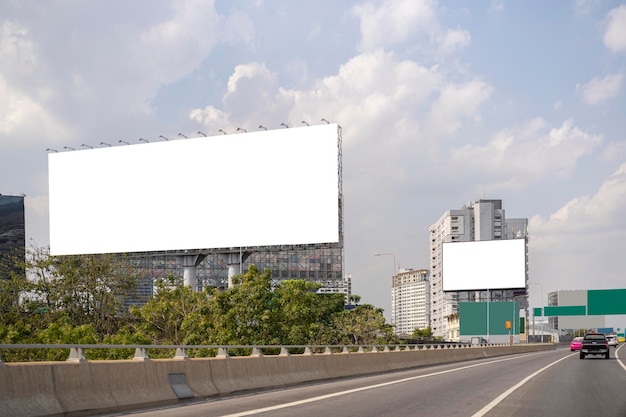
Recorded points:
(440, 104)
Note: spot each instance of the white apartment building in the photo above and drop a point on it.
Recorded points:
(478, 220)
(410, 300)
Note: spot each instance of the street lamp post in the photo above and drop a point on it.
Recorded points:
(394, 260)
(394, 307)
(540, 289)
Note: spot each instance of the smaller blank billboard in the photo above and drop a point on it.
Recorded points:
(484, 265)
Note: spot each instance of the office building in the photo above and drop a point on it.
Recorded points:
(476, 221)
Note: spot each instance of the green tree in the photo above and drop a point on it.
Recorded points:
(174, 315)
(79, 299)
(426, 333)
(11, 310)
(87, 289)
(363, 325)
(244, 314)
(301, 313)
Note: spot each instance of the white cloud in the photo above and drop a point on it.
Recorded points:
(386, 23)
(17, 49)
(96, 69)
(370, 91)
(582, 239)
(23, 110)
(526, 154)
(497, 6)
(210, 117)
(455, 39)
(615, 34)
(456, 102)
(249, 71)
(173, 48)
(22, 119)
(601, 89)
(252, 94)
(373, 93)
(614, 151)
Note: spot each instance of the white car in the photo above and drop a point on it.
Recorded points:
(612, 340)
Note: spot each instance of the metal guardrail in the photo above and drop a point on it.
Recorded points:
(77, 352)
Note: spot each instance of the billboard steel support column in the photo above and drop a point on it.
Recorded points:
(190, 263)
(234, 260)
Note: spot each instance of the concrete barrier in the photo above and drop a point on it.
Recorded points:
(91, 387)
(245, 374)
(28, 390)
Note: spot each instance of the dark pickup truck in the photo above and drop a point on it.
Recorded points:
(594, 344)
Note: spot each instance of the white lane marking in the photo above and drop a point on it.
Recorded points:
(617, 357)
(508, 392)
(337, 394)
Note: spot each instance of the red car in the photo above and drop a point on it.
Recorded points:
(576, 344)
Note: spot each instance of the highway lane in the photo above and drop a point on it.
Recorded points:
(585, 387)
(553, 383)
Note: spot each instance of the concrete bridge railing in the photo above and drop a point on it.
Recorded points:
(79, 386)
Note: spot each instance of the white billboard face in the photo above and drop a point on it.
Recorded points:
(277, 187)
(483, 265)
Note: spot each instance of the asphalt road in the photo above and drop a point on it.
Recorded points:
(553, 383)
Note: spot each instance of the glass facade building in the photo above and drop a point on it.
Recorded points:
(323, 265)
(12, 235)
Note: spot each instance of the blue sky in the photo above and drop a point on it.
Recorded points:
(441, 103)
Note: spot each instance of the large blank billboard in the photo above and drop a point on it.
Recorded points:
(277, 187)
(484, 265)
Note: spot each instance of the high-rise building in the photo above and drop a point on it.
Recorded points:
(410, 303)
(12, 235)
(476, 221)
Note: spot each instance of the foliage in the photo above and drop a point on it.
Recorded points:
(82, 289)
(125, 336)
(426, 333)
(244, 314)
(79, 300)
(175, 315)
(363, 325)
(302, 314)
